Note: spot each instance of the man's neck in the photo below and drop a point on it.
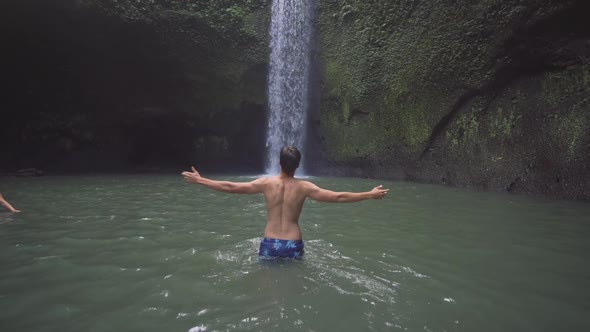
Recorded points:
(286, 175)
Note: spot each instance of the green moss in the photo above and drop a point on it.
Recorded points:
(454, 141)
(335, 78)
(226, 17)
(465, 131)
(414, 117)
(395, 69)
(502, 123)
(570, 130)
(410, 125)
(386, 119)
(569, 127)
(519, 96)
(557, 86)
(344, 139)
(346, 110)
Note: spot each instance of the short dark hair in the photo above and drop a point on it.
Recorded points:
(290, 158)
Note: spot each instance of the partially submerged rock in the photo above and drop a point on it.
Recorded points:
(26, 172)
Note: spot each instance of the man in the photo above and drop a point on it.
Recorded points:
(7, 205)
(284, 196)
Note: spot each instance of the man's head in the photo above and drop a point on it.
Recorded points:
(290, 158)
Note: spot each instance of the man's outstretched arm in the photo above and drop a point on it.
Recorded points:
(253, 187)
(323, 195)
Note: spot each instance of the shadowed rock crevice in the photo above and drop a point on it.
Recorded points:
(549, 45)
(503, 78)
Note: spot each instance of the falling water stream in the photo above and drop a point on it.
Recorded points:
(288, 77)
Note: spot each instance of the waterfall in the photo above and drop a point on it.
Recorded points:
(290, 35)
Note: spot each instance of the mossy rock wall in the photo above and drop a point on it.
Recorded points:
(489, 94)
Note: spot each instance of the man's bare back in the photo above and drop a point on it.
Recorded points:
(284, 196)
(284, 200)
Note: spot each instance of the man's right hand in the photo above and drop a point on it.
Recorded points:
(193, 176)
(378, 192)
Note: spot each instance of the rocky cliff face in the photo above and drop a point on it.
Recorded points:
(489, 94)
(99, 85)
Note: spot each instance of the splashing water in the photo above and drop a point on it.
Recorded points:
(290, 31)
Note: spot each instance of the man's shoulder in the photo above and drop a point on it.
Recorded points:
(278, 179)
(306, 184)
(268, 179)
(262, 180)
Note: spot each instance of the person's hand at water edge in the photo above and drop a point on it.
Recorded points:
(7, 205)
(378, 192)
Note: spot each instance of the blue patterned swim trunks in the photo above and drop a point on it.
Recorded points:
(275, 248)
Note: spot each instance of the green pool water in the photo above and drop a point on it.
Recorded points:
(153, 253)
